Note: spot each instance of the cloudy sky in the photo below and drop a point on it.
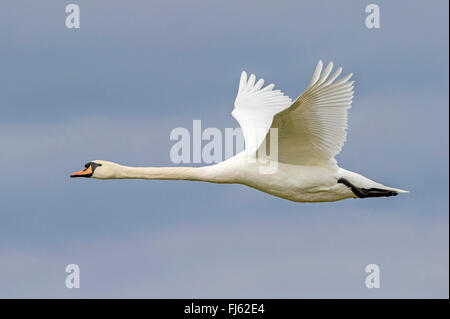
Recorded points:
(115, 88)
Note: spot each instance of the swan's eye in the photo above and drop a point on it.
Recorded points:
(94, 165)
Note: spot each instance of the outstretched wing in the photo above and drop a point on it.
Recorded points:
(255, 107)
(313, 129)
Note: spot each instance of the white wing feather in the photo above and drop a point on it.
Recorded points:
(255, 108)
(313, 129)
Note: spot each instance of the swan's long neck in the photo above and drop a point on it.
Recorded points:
(213, 173)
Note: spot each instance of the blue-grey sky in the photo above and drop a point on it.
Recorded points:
(115, 88)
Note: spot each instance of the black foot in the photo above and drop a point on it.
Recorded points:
(367, 192)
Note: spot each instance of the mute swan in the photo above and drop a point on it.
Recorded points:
(311, 132)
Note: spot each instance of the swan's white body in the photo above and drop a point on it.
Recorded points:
(311, 131)
(297, 183)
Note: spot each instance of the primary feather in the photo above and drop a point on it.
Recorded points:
(311, 130)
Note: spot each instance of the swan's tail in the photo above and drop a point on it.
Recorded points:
(363, 187)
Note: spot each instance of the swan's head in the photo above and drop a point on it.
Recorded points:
(99, 169)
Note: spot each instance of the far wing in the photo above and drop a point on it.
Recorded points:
(313, 129)
(255, 107)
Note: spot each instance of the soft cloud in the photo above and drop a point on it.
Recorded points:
(248, 259)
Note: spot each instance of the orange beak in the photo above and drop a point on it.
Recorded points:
(87, 172)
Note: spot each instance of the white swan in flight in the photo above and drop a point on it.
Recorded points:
(311, 132)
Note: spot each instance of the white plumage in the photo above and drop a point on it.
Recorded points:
(311, 132)
(255, 107)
